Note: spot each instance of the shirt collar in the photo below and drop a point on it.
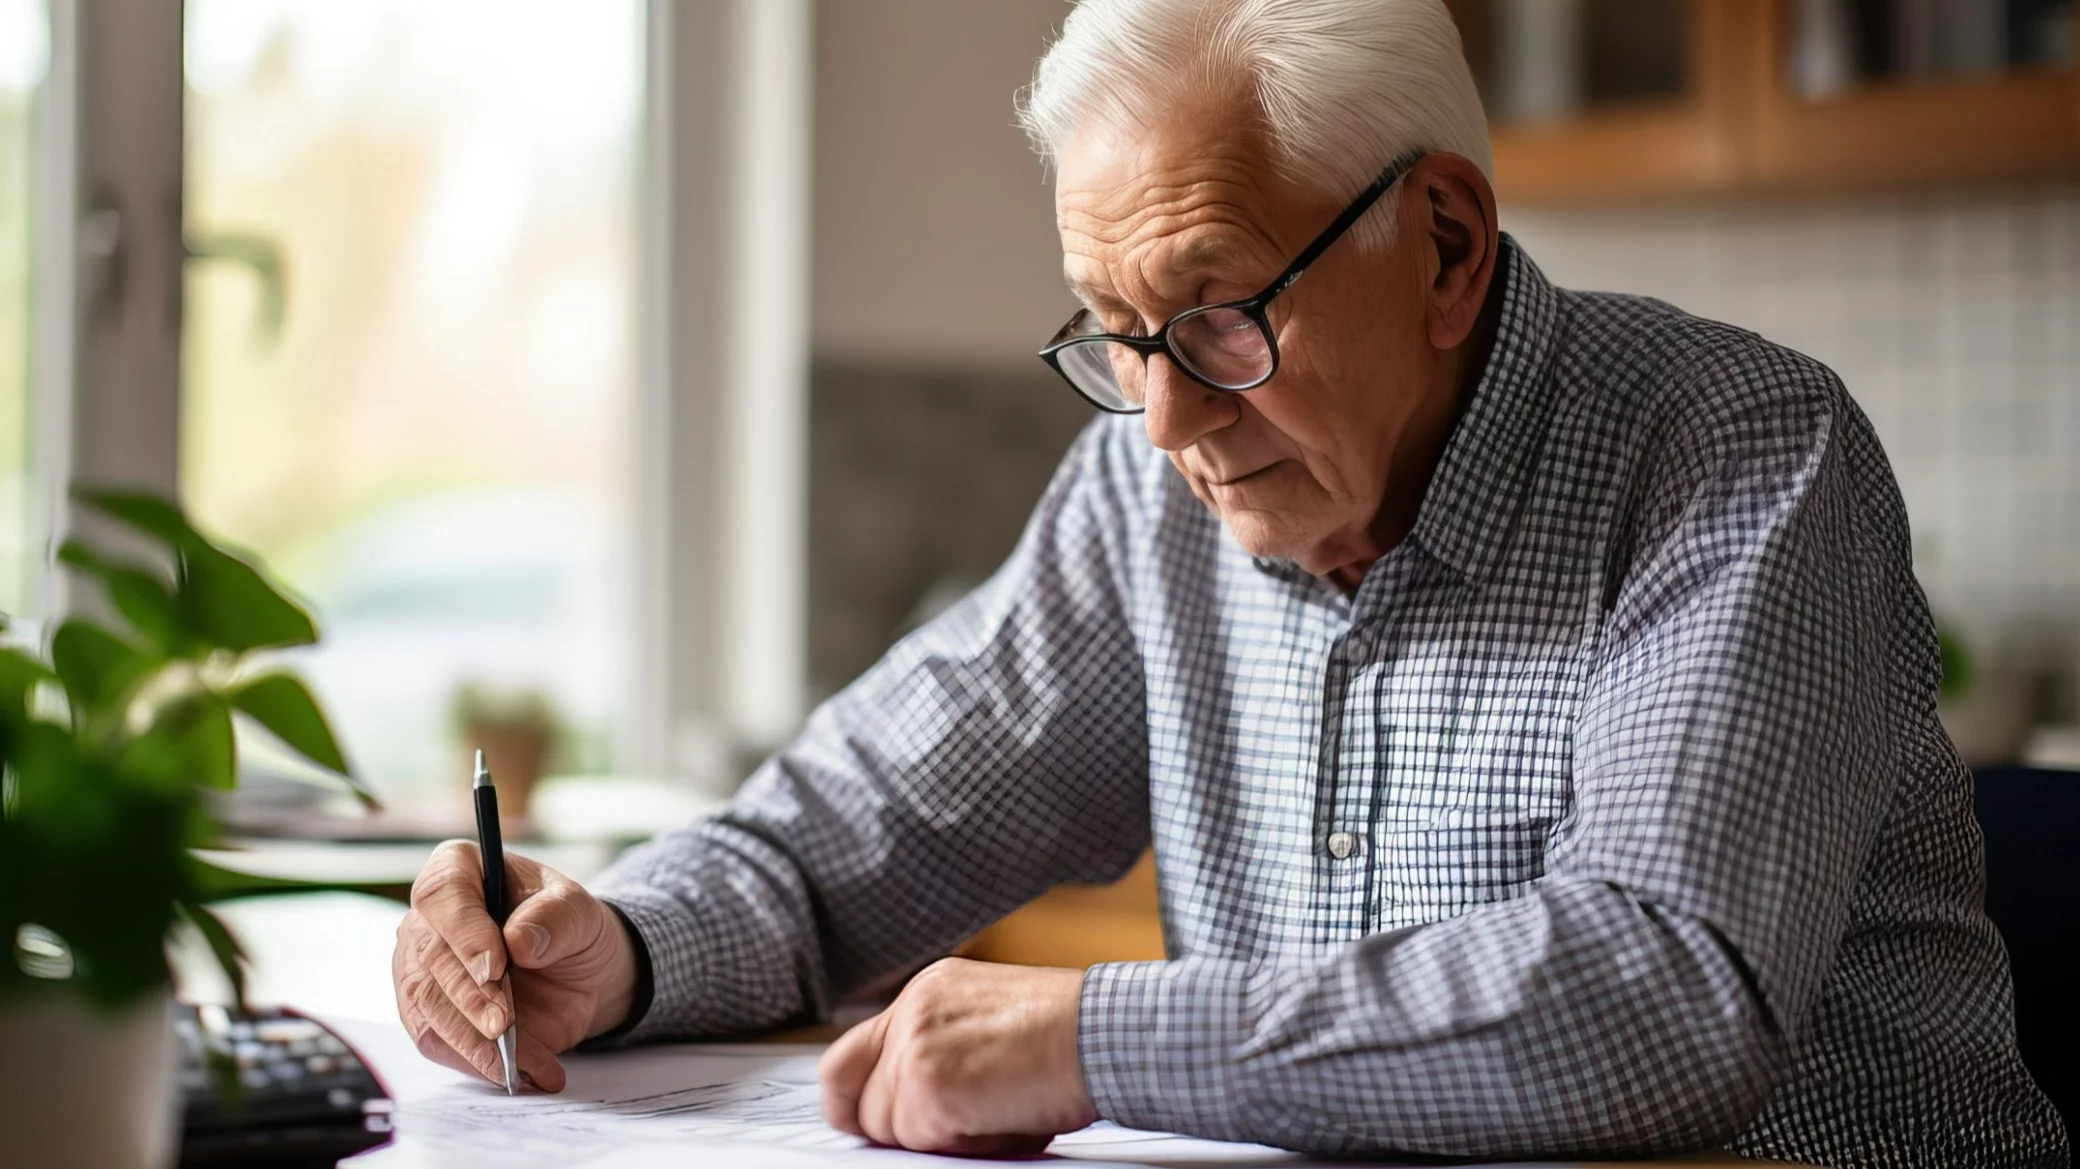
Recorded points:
(1470, 507)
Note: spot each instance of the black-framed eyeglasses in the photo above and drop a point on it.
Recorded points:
(1227, 346)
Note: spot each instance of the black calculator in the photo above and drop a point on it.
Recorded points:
(270, 1087)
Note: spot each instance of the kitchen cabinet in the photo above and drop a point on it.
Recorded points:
(1762, 97)
(1988, 125)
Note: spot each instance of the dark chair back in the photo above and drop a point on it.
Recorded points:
(2031, 818)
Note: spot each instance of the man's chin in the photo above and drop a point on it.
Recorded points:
(1266, 535)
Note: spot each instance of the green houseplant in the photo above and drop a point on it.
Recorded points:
(112, 735)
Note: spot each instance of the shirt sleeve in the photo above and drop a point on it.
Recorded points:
(1733, 757)
(998, 751)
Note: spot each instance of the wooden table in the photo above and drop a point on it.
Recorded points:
(329, 954)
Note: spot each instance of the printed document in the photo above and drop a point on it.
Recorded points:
(688, 1105)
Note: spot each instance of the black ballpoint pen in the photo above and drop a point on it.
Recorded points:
(492, 848)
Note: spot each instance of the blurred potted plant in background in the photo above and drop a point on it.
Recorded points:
(111, 736)
(518, 732)
(1988, 712)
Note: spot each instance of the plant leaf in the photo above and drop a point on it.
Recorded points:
(212, 748)
(46, 767)
(145, 512)
(282, 704)
(1956, 663)
(220, 600)
(190, 741)
(209, 883)
(97, 668)
(19, 674)
(230, 957)
(142, 596)
(226, 604)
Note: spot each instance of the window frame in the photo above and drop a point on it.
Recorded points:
(717, 645)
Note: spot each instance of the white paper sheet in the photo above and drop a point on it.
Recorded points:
(678, 1106)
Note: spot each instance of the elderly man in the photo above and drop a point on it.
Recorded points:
(1527, 695)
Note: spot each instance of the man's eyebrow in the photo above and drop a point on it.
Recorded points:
(1206, 251)
(1092, 297)
(1196, 255)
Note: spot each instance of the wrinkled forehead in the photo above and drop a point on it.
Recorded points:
(1141, 206)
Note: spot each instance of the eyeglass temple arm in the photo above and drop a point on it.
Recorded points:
(1401, 165)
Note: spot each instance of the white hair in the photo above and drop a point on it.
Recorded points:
(1343, 86)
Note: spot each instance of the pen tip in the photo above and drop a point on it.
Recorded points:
(508, 1058)
(483, 774)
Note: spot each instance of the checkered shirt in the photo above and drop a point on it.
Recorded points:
(1610, 815)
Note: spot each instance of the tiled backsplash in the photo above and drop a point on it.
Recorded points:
(1954, 319)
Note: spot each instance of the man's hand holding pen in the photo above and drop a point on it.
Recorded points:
(573, 968)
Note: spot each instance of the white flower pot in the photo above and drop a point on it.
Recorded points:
(86, 1087)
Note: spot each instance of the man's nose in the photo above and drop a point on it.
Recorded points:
(1182, 411)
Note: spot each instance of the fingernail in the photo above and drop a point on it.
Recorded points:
(480, 967)
(494, 1018)
(536, 937)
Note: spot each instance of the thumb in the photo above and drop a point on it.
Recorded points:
(557, 923)
(843, 1073)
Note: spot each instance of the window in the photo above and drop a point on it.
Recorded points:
(24, 51)
(427, 425)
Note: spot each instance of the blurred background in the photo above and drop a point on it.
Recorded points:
(617, 379)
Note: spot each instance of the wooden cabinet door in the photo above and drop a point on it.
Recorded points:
(1690, 146)
(2019, 124)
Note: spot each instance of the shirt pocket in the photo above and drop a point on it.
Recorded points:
(1456, 859)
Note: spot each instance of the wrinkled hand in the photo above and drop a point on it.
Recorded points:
(972, 1058)
(573, 966)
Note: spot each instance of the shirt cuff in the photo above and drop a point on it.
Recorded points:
(668, 946)
(1158, 1042)
(639, 1001)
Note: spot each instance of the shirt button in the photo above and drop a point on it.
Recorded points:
(1342, 844)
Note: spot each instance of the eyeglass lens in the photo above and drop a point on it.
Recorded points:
(1225, 347)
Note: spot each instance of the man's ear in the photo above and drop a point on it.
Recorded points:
(1456, 211)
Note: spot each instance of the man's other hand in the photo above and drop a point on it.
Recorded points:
(573, 966)
(972, 1058)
